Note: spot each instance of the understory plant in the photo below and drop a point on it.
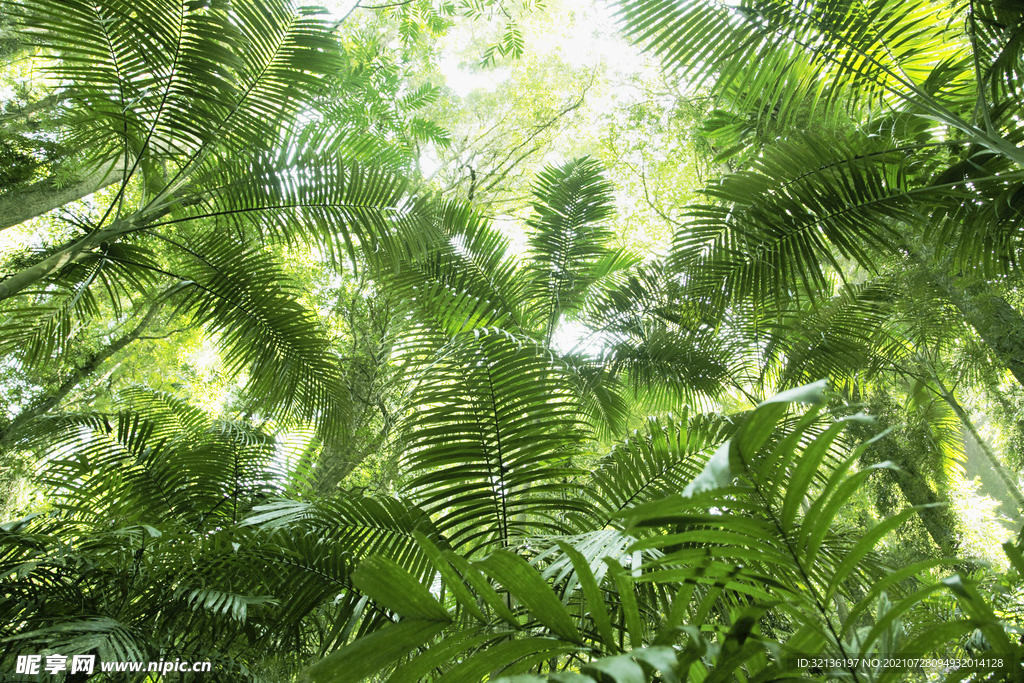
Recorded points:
(739, 574)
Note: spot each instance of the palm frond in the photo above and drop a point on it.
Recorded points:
(177, 80)
(40, 326)
(245, 297)
(784, 224)
(752, 538)
(658, 345)
(321, 199)
(490, 442)
(652, 464)
(996, 30)
(133, 469)
(848, 337)
(352, 526)
(464, 279)
(568, 244)
(847, 52)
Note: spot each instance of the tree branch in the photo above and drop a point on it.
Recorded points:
(42, 197)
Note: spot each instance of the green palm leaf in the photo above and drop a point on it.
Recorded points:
(41, 330)
(136, 467)
(178, 80)
(751, 543)
(653, 464)
(784, 224)
(570, 250)
(464, 279)
(245, 298)
(352, 527)
(852, 53)
(320, 199)
(490, 443)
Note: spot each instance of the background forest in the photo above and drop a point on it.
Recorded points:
(493, 340)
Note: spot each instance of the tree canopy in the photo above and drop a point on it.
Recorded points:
(493, 340)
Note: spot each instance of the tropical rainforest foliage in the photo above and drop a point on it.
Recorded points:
(397, 343)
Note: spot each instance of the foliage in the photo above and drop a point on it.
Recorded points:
(417, 470)
(654, 352)
(876, 182)
(869, 198)
(740, 571)
(181, 102)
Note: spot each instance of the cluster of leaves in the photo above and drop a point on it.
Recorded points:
(735, 575)
(870, 195)
(187, 113)
(854, 169)
(700, 548)
(423, 20)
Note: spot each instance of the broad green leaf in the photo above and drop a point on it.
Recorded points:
(628, 603)
(373, 653)
(799, 481)
(592, 594)
(620, 669)
(772, 471)
(660, 658)
(818, 521)
(483, 588)
(394, 588)
(763, 420)
(439, 655)
(526, 585)
(452, 580)
(667, 634)
(813, 394)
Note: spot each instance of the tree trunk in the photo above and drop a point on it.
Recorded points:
(936, 515)
(993, 461)
(68, 254)
(998, 323)
(43, 197)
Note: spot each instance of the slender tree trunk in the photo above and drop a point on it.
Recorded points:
(70, 253)
(46, 402)
(75, 251)
(993, 461)
(998, 323)
(934, 511)
(43, 197)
